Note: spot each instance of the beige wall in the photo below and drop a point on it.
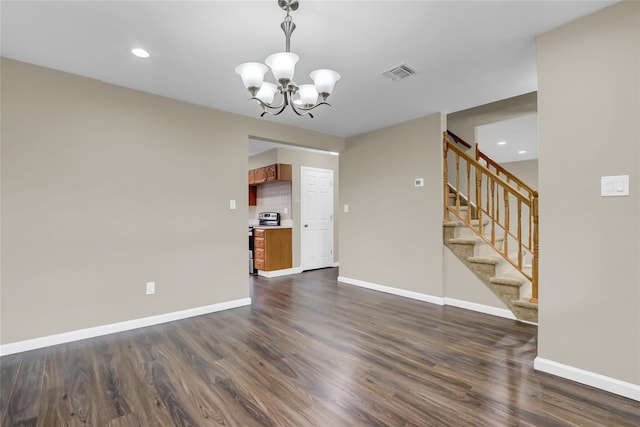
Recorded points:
(263, 159)
(526, 170)
(297, 159)
(463, 123)
(588, 109)
(106, 188)
(392, 235)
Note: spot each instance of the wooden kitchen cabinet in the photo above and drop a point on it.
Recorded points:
(253, 195)
(272, 248)
(272, 173)
(259, 176)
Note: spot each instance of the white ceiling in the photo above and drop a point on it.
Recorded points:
(467, 53)
(519, 134)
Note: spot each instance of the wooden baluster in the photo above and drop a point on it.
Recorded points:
(507, 228)
(445, 176)
(469, 192)
(520, 234)
(493, 210)
(497, 203)
(479, 198)
(458, 184)
(488, 193)
(531, 223)
(534, 266)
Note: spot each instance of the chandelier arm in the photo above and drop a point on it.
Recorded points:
(308, 108)
(302, 111)
(269, 106)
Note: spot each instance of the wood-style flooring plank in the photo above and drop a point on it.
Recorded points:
(24, 402)
(308, 352)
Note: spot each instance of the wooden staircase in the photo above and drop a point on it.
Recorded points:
(491, 225)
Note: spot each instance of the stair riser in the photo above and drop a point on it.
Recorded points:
(483, 271)
(464, 232)
(462, 251)
(448, 233)
(483, 249)
(505, 292)
(527, 314)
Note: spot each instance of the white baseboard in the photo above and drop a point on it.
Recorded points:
(391, 290)
(481, 308)
(278, 273)
(612, 385)
(487, 309)
(35, 343)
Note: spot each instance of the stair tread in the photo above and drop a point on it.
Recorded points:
(462, 224)
(525, 303)
(464, 240)
(509, 281)
(484, 260)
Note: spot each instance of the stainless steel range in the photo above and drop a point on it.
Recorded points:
(269, 219)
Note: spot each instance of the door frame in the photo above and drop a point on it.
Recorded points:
(302, 202)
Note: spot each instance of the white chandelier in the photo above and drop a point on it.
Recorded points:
(302, 98)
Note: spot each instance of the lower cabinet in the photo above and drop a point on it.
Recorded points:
(272, 248)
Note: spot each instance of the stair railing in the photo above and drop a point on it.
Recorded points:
(503, 173)
(500, 199)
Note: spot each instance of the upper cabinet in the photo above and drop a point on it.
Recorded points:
(259, 176)
(271, 173)
(266, 175)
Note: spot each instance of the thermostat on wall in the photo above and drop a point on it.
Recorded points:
(419, 182)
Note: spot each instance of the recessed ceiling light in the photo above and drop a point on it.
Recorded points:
(140, 53)
(502, 143)
(522, 152)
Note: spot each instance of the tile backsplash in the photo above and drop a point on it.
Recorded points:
(273, 198)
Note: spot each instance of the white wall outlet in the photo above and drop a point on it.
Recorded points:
(418, 182)
(232, 204)
(151, 288)
(286, 211)
(612, 186)
(346, 208)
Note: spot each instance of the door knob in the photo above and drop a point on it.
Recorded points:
(306, 225)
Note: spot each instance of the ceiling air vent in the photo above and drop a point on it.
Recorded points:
(399, 72)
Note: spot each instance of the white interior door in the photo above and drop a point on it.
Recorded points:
(316, 207)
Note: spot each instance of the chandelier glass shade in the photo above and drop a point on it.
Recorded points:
(301, 98)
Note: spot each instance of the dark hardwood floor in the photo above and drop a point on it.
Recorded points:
(308, 352)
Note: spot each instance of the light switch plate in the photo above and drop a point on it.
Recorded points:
(232, 204)
(346, 208)
(614, 186)
(151, 288)
(419, 182)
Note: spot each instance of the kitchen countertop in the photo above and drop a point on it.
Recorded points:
(285, 223)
